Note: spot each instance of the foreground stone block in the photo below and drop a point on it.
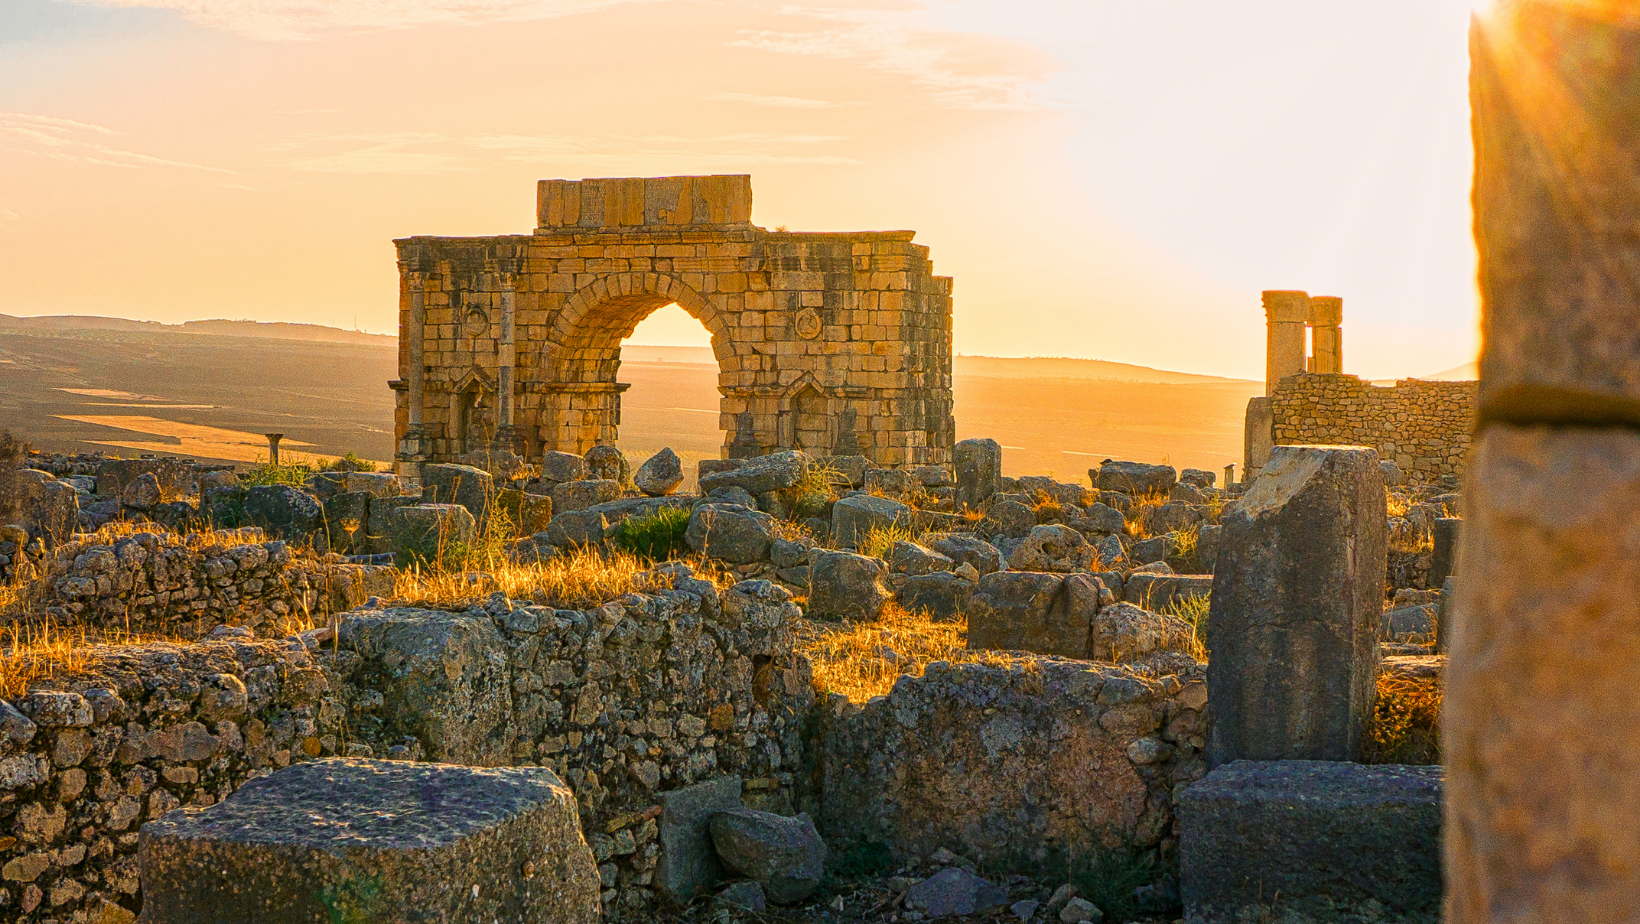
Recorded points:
(1297, 597)
(853, 518)
(1028, 611)
(1134, 478)
(1552, 213)
(845, 585)
(979, 470)
(760, 475)
(1311, 841)
(422, 532)
(1540, 705)
(364, 840)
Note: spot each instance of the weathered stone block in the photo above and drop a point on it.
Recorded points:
(1311, 842)
(785, 854)
(1544, 642)
(458, 484)
(444, 678)
(942, 595)
(730, 532)
(283, 511)
(1297, 597)
(660, 474)
(427, 532)
(1026, 611)
(580, 495)
(760, 475)
(364, 840)
(687, 863)
(842, 584)
(853, 518)
(1134, 477)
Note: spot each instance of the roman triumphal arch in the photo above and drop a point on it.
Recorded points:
(837, 344)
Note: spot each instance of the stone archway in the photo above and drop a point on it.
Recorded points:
(580, 404)
(839, 339)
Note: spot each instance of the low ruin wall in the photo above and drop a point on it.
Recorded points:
(1421, 426)
(153, 728)
(183, 586)
(647, 694)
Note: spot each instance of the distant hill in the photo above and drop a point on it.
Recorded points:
(274, 330)
(1468, 372)
(1056, 367)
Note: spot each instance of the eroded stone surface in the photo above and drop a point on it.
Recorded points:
(370, 839)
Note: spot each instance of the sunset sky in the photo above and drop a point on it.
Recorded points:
(1104, 178)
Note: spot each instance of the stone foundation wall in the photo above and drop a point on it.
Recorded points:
(1005, 764)
(153, 728)
(1423, 427)
(184, 586)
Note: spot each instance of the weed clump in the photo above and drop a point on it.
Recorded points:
(1406, 723)
(657, 537)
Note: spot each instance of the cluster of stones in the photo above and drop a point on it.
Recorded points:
(825, 342)
(1423, 427)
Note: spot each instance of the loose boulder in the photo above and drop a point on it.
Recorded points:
(458, 484)
(1052, 547)
(842, 584)
(579, 495)
(760, 475)
(730, 532)
(970, 550)
(979, 470)
(954, 892)
(853, 518)
(1134, 478)
(283, 512)
(660, 474)
(785, 854)
(607, 463)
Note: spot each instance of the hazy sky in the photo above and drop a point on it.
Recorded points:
(1104, 178)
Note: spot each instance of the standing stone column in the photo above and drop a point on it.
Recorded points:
(1326, 340)
(506, 435)
(979, 470)
(1286, 315)
(1541, 721)
(1298, 593)
(413, 447)
(1258, 436)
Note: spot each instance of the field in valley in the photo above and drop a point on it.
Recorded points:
(211, 396)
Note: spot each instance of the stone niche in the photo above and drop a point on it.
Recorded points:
(822, 340)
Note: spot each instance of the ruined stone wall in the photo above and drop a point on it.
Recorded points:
(153, 728)
(1006, 764)
(1422, 427)
(804, 326)
(184, 586)
(643, 695)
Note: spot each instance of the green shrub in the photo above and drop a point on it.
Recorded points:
(295, 474)
(658, 536)
(348, 463)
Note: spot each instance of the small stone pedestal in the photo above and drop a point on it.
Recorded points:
(365, 840)
(1311, 841)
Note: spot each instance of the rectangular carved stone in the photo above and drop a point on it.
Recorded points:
(1298, 592)
(1311, 842)
(687, 863)
(1557, 188)
(368, 840)
(1542, 721)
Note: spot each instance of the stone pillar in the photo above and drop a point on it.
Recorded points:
(1326, 340)
(1286, 315)
(1541, 721)
(1229, 475)
(273, 447)
(1258, 437)
(506, 434)
(413, 449)
(1298, 593)
(1447, 530)
(979, 470)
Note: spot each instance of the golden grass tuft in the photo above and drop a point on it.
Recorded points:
(863, 659)
(577, 579)
(1193, 610)
(1406, 722)
(879, 540)
(1136, 512)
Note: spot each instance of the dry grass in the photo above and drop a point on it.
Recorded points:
(1406, 722)
(879, 540)
(1136, 513)
(1047, 508)
(861, 660)
(1193, 610)
(1397, 505)
(575, 580)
